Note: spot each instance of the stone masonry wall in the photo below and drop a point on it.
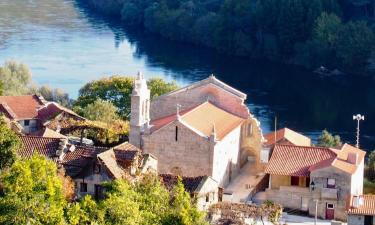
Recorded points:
(190, 154)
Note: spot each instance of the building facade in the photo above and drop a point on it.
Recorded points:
(202, 129)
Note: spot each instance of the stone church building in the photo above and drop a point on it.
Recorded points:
(202, 129)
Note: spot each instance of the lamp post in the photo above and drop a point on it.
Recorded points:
(358, 117)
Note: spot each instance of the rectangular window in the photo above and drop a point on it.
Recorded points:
(176, 137)
(330, 206)
(96, 168)
(83, 187)
(26, 122)
(249, 130)
(294, 181)
(208, 197)
(331, 183)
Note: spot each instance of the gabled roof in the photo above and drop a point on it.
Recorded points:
(20, 107)
(191, 184)
(46, 132)
(209, 80)
(367, 208)
(203, 119)
(296, 160)
(286, 134)
(293, 160)
(108, 158)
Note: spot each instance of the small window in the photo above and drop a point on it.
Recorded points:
(331, 183)
(83, 187)
(208, 197)
(330, 206)
(176, 134)
(26, 122)
(96, 168)
(249, 130)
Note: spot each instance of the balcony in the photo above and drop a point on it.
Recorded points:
(329, 193)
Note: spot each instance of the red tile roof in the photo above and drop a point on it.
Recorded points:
(191, 184)
(288, 135)
(300, 160)
(21, 107)
(296, 160)
(367, 208)
(42, 145)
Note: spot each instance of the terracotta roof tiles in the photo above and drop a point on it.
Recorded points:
(289, 135)
(22, 107)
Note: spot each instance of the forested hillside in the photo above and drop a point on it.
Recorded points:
(312, 33)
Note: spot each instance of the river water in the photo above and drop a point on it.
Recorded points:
(66, 45)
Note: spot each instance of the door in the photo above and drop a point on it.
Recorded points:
(330, 211)
(98, 192)
(369, 220)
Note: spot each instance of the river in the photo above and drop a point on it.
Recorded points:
(66, 45)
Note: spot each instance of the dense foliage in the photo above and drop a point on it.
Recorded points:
(326, 139)
(34, 192)
(16, 79)
(282, 30)
(117, 90)
(9, 143)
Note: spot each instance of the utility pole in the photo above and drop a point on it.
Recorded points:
(316, 211)
(358, 117)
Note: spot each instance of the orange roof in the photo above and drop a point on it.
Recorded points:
(297, 160)
(288, 135)
(20, 107)
(203, 118)
(367, 208)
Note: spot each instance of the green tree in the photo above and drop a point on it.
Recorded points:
(86, 211)
(9, 144)
(183, 210)
(326, 29)
(53, 94)
(371, 160)
(101, 110)
(16, 78)
(328, 140)
(355, 45)
(117, 90)
(32, 193)
(1, 88)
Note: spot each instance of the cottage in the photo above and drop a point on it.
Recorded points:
(202, 129)
(304, 177)
(31, 114)
(361, 210)
(90, 166)
(203, 189)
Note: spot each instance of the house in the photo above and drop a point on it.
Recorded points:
(90, 166)
(286, 136)
(203, 189)
(204, 129)
(303, 178)
(32, 113)
(361, 210)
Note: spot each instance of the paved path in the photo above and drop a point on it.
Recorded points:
(241, 185)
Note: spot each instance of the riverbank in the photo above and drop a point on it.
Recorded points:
(306, 33)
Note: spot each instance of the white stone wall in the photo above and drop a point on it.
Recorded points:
(226, 155)
(208, 191)
(32, 127)
(357, 180)
(356, 220)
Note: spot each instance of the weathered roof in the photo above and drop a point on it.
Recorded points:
(367, 208)
(296, 160)
(301, 160)
(46, 132)
(41, 145)
(108, 158)
(20, 107)
(203, 118)
(126, 151)
(191, 184)
(288, 135)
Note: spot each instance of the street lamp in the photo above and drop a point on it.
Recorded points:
(358, 117)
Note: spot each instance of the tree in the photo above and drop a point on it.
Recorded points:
(52, 94)
(9, 144)
(101, 110)
(16, 78)
(86, 211)
(183, 211)
(33, 193)
(328, 140)
(354, 45)
(326, 29)
(117, 90)
(1, 88)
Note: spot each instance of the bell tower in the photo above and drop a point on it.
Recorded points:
(140, 110)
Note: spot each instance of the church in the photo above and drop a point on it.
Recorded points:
(201, 129)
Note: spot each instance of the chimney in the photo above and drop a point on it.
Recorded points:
(353, 158)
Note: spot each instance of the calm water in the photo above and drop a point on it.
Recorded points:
(66, 45)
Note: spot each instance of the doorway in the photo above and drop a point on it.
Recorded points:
(330, 211)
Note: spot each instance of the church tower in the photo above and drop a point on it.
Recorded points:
(140, 110)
